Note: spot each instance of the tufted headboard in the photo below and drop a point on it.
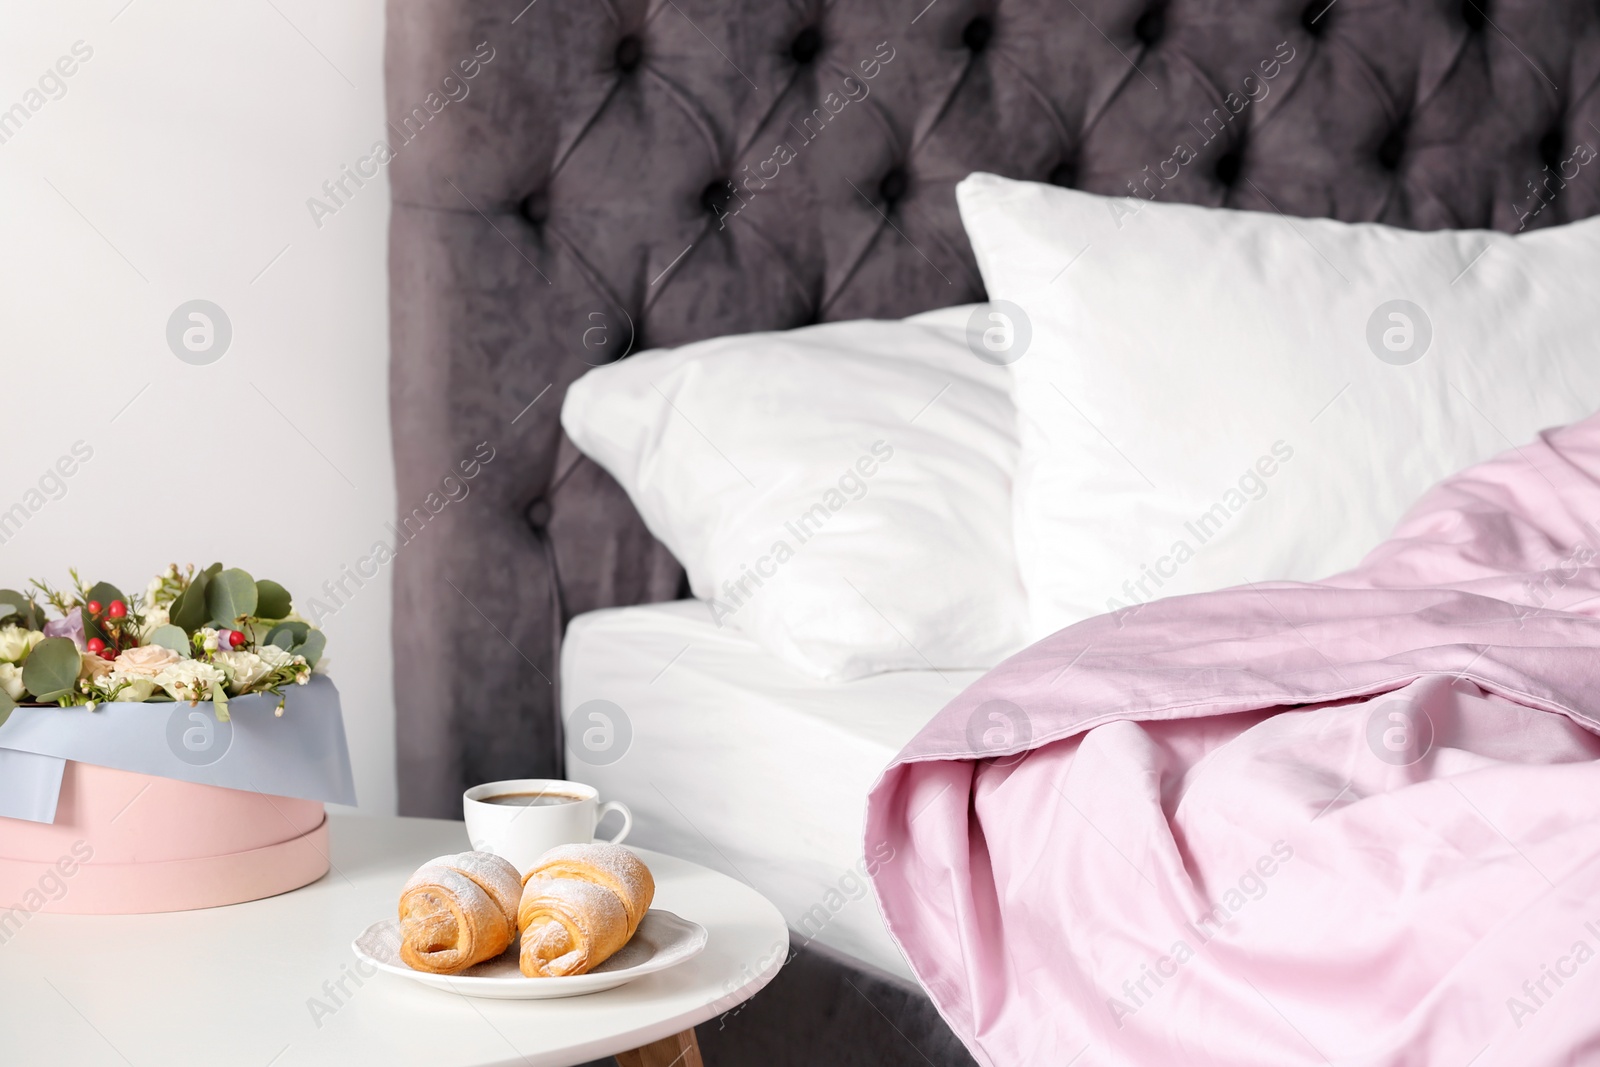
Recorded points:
(577, 179)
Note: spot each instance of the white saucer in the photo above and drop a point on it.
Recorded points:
(663, 940)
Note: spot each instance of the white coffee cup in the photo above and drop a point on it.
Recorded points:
(523, 818)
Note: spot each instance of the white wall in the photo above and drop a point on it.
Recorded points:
(176, 165)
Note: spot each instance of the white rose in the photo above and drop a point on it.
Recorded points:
(274, 657)
(189, 679)
(137, 690)
(16, 642)
(146, 661)
(243, 669)
(11, 680)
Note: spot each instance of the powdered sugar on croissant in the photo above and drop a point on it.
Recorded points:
(612, 866)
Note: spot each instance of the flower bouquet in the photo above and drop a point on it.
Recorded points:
(146, 756)
(189, 636)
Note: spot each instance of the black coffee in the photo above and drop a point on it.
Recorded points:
(531, 800)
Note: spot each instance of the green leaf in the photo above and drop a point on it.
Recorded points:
(173, 637)
(272, 600)
(14, 603)
(7, 706)
(105, 593)
(287, 634)
(51, 669)
(230, 596)
(311, 648)
(189, 610)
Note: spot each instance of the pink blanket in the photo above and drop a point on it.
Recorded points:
(1355, 822)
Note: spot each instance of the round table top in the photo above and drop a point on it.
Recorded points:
(274, 983)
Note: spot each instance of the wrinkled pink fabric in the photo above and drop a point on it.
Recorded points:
(1354, 822)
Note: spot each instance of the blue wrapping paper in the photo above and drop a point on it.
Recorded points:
(301, 754)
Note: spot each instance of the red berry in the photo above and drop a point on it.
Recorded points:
(108, 653)
(117, 609)
(96, 645)
(235, 638)
(93, 606)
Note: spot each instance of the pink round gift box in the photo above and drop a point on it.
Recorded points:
(125, 843)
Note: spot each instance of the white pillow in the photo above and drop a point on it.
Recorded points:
(841, 492)
(1211, 397)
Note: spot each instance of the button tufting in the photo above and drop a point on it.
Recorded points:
(894, 185)
(1150, 25)
(628, 54)
(1316, 16)
(717, 195)
(1550, 146)
(538, 514)
(806, 44)
(1228, 166)
(535, 207)
(1475, 13)
(1392, 149)
(1064, 174)
(977, 33)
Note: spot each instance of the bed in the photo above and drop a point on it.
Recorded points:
(718, 729)
(564, 204)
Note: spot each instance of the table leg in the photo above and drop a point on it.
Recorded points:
(679, 1050)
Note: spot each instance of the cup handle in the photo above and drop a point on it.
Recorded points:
(627, 819)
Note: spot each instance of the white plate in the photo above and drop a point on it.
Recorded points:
(663, 940)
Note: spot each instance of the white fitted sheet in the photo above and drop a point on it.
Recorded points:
(741, 763)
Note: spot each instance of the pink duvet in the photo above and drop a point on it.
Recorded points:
(1355, 822)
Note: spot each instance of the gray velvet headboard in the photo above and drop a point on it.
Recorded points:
(575, 179)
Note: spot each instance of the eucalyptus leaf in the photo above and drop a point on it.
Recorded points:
(311, 648)
(7, 706)
(14, 603)
(189, 610)
(272, 600)
(173, 637)
(230, 596)
(51, 669)
(287, 634)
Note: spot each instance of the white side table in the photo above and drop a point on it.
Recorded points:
(273, 983)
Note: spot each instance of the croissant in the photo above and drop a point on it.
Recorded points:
(569, 927)
(580, 904)
(457, 911)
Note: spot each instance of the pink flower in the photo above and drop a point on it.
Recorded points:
(146, 661)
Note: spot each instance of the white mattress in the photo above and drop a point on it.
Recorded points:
(741, 763)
